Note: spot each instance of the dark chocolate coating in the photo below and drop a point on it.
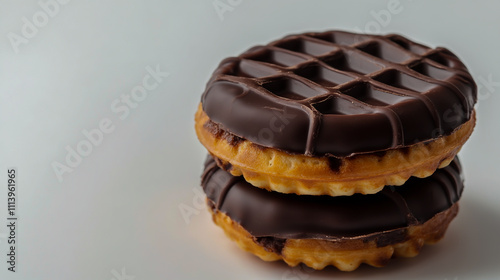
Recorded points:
(272, 214)
(337, 93)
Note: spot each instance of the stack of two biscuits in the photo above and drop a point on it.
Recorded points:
(336, 148)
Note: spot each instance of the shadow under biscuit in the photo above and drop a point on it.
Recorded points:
(471, 248)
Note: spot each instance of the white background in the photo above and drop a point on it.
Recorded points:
(117, 215)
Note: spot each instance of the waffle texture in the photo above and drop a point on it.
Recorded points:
(283, 172)
(345, 255)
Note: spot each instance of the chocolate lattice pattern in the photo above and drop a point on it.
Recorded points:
(339, 93)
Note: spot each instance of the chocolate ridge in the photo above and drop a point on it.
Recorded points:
(272, 214)
(339, 94)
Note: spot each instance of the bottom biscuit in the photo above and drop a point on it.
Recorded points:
(341, 231)
(345, 254)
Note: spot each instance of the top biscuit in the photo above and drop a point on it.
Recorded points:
(340, 94)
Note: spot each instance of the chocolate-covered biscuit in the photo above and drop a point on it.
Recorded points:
(341, 231)
(343, 93)
(337, 113)
(272, 214)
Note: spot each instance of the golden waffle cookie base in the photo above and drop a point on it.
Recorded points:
(346, 255)
(279, 171)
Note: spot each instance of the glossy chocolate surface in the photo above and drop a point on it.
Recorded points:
(277, 215)
(339, 94)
